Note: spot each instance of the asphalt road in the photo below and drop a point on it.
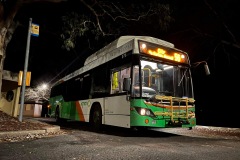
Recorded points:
(80, 143)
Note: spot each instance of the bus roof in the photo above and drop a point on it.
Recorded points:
(118, 47)
(123, 40)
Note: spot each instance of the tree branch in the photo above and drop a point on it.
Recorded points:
(223, 23)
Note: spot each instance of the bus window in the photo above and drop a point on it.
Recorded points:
(114, 80)
(136, 79)
(100, 87)
(86, 86)
(117, 79)
(125, 73)
(147, 77)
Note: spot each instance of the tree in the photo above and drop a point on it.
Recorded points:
(100, 13)
(40, 93)
(8, 10)
(111, 18)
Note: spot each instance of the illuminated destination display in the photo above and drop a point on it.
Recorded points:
(163, 52)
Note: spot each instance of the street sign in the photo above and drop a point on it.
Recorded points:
(35, 30)
(20, 77)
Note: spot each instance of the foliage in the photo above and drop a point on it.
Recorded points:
(37, 94)
(112, 18)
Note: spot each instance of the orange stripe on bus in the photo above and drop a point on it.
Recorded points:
(80, 112)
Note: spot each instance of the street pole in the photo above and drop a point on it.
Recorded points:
(25, 70)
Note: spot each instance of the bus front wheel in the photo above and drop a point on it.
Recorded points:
(96, 118)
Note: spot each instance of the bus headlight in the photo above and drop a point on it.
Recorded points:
(144, 112)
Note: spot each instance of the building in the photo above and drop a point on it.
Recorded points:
(10, 100)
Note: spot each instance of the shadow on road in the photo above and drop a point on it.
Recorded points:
(70, 126)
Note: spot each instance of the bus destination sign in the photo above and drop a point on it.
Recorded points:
(159, 51)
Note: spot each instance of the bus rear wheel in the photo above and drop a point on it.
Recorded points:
(96, 118)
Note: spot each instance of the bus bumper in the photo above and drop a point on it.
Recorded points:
(162, 123)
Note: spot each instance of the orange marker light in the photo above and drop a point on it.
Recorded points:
(146, 121)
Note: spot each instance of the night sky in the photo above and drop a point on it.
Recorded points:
(46, 57)
(204, 34)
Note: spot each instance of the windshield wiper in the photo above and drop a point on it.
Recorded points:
(182, 77)
(166, 93)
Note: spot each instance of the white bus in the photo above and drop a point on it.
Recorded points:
(133, 82)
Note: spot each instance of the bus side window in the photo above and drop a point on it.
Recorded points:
(125, 73)
(115, 82)
(117, 79)
(100, 87)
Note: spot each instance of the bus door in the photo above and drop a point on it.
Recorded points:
(117, 107)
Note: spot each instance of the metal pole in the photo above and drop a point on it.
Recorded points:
(25, 70)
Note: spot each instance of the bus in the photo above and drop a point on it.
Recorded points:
(133, 82)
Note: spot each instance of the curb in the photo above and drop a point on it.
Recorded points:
(26, 132)
(52, 129)
(220, 129)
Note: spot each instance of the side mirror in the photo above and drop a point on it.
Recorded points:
(160, 66)
(207, 71)
(126, 84)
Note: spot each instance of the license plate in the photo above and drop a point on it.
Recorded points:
(154, 122)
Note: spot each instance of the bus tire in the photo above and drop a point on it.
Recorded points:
(96, 118)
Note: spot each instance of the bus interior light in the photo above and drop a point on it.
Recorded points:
(144, 46)
(168, 67)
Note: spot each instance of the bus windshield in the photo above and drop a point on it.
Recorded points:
(162, 79)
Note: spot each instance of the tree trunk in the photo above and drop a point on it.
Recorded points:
(3, 33)
(5, 38)
(6, 20)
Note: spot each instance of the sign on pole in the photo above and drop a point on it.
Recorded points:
(20, 77)
(35, 30)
